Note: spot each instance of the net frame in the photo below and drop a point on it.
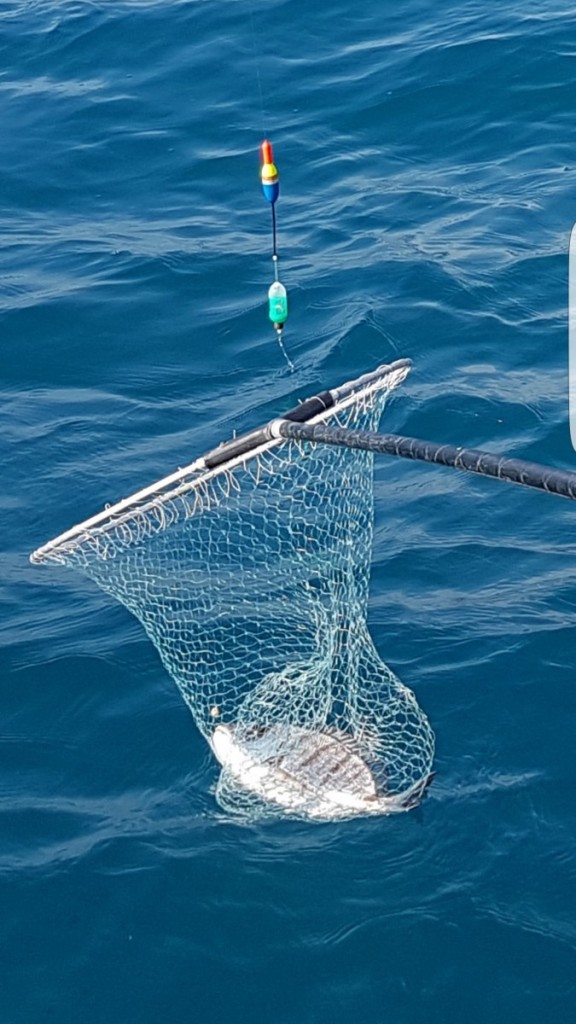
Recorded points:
(222, 461)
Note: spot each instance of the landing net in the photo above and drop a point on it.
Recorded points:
(249, 570)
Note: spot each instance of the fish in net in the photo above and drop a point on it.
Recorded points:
(249, 570)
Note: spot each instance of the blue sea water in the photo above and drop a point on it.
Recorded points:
(428, 176)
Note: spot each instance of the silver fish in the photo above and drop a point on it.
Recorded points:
(317, 774)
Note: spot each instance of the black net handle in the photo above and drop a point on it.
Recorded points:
(471, 460)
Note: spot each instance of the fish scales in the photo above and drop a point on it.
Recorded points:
(319, 761)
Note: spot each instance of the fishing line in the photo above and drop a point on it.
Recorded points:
(274, 241)
(277, 296)
(258, 76)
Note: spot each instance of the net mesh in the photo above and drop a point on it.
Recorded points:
(252, 582)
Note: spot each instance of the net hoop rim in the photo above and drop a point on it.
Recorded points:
(386, 375)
